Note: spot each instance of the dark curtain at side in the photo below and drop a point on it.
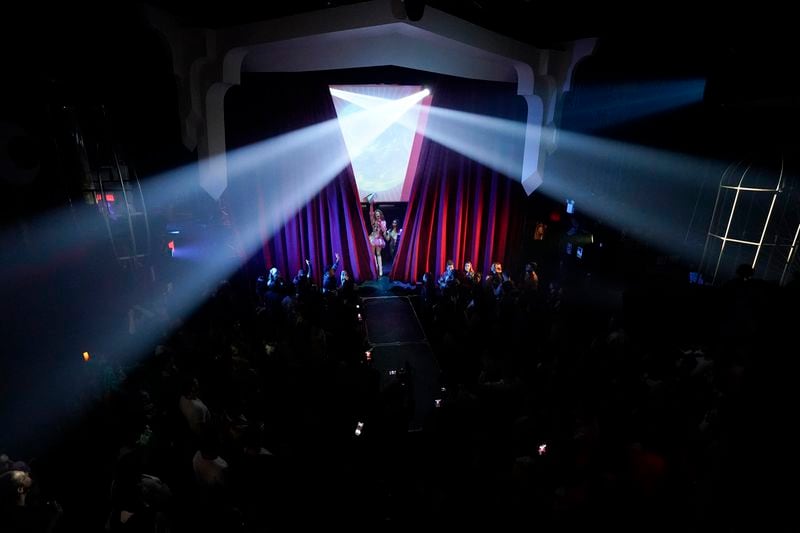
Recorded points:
(460, 209)
(265, 106)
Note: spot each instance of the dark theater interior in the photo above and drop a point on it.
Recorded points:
(392, 264)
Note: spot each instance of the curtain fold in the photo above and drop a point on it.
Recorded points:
(331, 222)
(460, 209)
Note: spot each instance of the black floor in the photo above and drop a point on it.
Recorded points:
(391, 319)
(401, 352)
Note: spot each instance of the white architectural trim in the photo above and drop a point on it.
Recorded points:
(367, 34)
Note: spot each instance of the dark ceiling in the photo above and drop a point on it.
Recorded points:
(684, 41)
(542, 24)
(85, 46)
(521, 19)
(547, 25)
(676, 41)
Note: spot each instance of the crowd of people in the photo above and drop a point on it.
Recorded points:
(264, 410)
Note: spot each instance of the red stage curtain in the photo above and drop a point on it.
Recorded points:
(459, 209)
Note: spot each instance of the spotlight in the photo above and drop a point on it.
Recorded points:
(86, 356)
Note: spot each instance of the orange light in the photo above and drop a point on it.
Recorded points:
(85, 356)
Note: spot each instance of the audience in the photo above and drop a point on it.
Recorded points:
(553, 414)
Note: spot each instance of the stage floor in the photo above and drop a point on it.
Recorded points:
(398, 339)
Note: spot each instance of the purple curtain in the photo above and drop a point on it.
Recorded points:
(267, 106)
(458, 208)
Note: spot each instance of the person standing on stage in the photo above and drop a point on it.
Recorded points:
(393, 237)
(376, 239)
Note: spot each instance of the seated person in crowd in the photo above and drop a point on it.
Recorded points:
(497, 280)
(16, 512)
(346, 284)
(210, 470)
(192, 407)
(530, 279)
(275, 280)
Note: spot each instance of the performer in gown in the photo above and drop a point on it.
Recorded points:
(376, 238)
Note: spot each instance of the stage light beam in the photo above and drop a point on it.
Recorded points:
(294, 167)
